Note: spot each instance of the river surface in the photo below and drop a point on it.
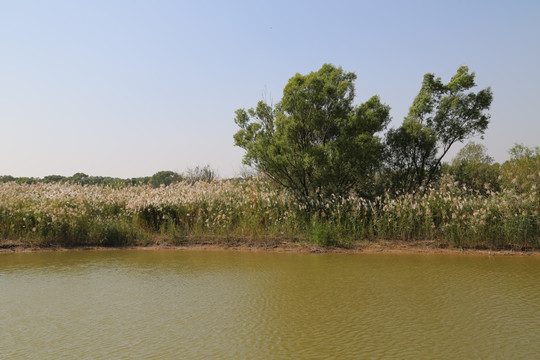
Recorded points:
(239, 305)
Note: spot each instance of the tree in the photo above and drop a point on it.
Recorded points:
(522, 171)
(315, 142)
(204, 173)
(7, 178)
(441, 115)
(411, 149)
(474, 168)
(164, 178)
(53, 178)
(472, 153)
(79, 178)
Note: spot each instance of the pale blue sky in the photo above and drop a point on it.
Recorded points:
(128, 88)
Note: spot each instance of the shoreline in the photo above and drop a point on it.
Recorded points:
(423, 247)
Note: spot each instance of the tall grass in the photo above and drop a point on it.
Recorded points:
(253, 210)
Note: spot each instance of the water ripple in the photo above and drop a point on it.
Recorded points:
(169, 305)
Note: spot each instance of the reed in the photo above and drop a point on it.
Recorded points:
(62, 214)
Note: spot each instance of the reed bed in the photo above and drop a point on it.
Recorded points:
(253, 210)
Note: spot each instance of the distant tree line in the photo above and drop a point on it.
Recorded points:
(475, 169)
(161, 178)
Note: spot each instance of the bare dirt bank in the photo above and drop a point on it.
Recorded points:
(287, 246)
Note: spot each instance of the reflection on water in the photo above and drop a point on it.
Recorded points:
(227, 305)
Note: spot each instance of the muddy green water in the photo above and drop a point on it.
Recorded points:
(230, 305)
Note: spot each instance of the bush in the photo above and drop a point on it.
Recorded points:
(474, 168)
(205, 173)
(522, 171)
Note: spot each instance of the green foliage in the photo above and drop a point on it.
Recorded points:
(474, 168)
(18, 180)
(473, 153)
(78, 178)
(84, 179)
(411, 150)
(323, 233)
(441, 115)
(6, 178)
(522, 171)
(520, 152)
(165, 178)
(53, 179)
(315, 142)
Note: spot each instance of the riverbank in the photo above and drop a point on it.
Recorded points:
(286, 246)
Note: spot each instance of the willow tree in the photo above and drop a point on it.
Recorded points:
(441, 115)
(315, 142)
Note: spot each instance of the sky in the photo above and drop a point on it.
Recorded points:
(127, 88)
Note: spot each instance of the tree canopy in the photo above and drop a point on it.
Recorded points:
(474, 168)
(164, 178)
(441, 115)
(315, 142)
(472, 153)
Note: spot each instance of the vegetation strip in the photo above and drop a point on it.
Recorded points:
(218, 212)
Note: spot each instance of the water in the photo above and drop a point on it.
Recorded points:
(231, 305)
